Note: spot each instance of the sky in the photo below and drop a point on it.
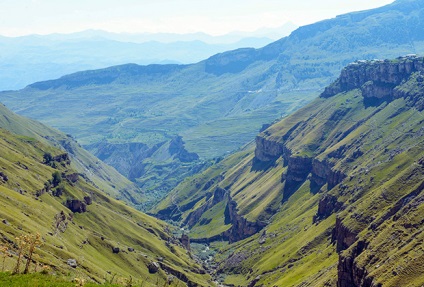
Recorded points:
(215, 17)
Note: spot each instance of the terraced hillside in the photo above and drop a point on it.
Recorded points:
(84, 232)
(220, 103)
(332, 195)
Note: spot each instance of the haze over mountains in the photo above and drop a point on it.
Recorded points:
(300, 163)
(42, 57)
(219, 104)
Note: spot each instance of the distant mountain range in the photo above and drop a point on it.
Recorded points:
(34, 58)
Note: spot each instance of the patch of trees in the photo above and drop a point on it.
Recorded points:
(52, 161)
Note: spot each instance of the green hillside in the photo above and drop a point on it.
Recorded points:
(332, 194)
(103, 176)
(45, 195)
(220, 103)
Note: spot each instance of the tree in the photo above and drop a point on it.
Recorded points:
(57, 178)
(47, 157)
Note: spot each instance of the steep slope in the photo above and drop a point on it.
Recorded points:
(220, 103)
(102, 175)
(334, 191)
(84, 232)
(188, 99)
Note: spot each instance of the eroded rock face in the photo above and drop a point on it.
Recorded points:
(327, 206)
(344, 236)
(194, 217)
(241, 227)
(185, 241)
(323, 173)
(349, 273)
(376, 79)
(298, 167)
(267, 150)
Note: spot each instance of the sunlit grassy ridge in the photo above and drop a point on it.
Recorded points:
(372, 211)
(88, 237)
(216, 105)
(104, 176)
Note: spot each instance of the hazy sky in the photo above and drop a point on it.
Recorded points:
(21, 17)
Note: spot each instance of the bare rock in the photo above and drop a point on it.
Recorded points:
(153, 267)
(72, 263)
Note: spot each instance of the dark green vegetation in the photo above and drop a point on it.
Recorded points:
(41, 191)
(220, 103)
(333, 193)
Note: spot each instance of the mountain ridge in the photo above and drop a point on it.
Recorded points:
(219, 104)
(338, 185)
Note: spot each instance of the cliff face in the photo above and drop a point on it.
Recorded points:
(298, 167)
(376, 79)
(241, 227)
(339, 185)
(342, 147)
(267, 150)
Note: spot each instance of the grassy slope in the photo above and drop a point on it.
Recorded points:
(220, 103)
(119, 225)
(104, 176)
(297, 252)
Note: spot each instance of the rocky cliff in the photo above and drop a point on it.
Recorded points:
(377, 79)
(240, 228)
(338, 186)
(342, 147)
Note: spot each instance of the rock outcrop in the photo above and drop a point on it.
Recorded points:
(376, 79)
(194, 217)
(324, 173)
(185, 241)
(343, 235)
(241, 227)
(327, 205)
(177, 149)
(267, 150)
(3, 177)
(72, 178)
(72, 263)
(298, 167)
(349, 273)
(76, 205)
(153, 267)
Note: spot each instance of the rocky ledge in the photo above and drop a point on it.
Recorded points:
(376, 79)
